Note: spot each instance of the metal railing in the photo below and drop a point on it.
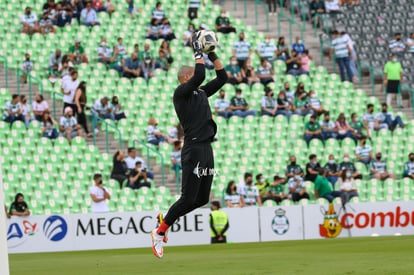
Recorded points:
(292, 22)
(6, 68)
(256, 13)
(150, 149)
(95, 119)
(30, 80)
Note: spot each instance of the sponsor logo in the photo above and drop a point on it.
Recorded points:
(17, 232)
(331, 227)
(280, 223)
(55, 228)
(204, 171)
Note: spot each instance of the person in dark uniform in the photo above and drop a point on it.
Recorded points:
(194, 112)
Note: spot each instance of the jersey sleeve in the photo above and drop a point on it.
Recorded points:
(214, 85)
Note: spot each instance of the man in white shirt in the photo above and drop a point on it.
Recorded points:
(13, 110)
(55, 58)
(68, 125)
(332, 6)
(99, 195)
(69, 87)
(103, 108)
(29, 22)
(410, 43)
(104, 52)
(396, 45)
(132, 159)
(249, 194)
(222, 105)
(363, 152)
(39, 106)
(242, 50)
(89, 16)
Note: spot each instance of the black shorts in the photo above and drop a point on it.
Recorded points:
(393, 86)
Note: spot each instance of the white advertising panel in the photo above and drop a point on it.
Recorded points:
(244, 224)
(362, 219)
(281, 223)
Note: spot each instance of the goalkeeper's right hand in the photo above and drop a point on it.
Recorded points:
(195, 43)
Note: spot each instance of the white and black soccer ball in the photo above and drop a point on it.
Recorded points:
(208, 40)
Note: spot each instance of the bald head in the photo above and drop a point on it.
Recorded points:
(185, 73)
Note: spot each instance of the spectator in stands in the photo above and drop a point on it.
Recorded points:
(272, 6)
(347, 186)
(275, 191)
(103, 109)
(131, 68)
(348, 165)
(298, 46)
(223, 23)
(341, 51)
(317, 8)
(333, 6)
(158, 13)
(55, 58)
(393, 75)
(26, 112)
(265, 72)
(147, 68)
(155, 136)
(47, 125)
(409, 167)
(242, 50)
(119, 168)
(13, 110)
(27, 67)
(116, 62)
(193, 8)
(231, 196)
(146, 52)
(323, 188)
(305, 60)
(410, 43)
(290, 94)
(282, 50)
(133, 158)
(78, 6)
(269, 103)
(66, 67)
(358, 128)
(104, 52)
(121, 48)
(166, 49)
(261, 184)
(328, 127)
(233, 72)
(153, 30)
(239, 105)
(80, 102)
(68, 125)
(46, 24)
(7, 212)
(138, 177)
(388, 118)
(378, 168)
(89, 17)
(19, 207)
(297, 188)
(370, 120)
(294, 64)
(249, 194)
(176, 133)
(363, 152)
(53, 74)
(69, 87)
(222, 105)
(78, 52)
(64, 13)
(39, 106)
(312, 130)
(300, 101)
(293, 169)
(333, 170)
(117, 108)
(175, 157)
(315, 104)
(29, 22)
(99, 195)
(344, 130)
(188, 34)
(312, 168)
(283, 105)
(266, 50)
(353, 57)
(249, 73)
(397, 46)
(166, 31)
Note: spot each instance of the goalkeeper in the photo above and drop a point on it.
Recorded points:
(194, 113)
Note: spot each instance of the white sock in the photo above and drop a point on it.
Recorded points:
(389, 99)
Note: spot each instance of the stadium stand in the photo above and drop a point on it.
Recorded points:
(55, 175)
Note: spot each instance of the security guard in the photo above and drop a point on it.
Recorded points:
(219, 223)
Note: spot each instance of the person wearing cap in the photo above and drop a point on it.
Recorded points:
(312, 130)
(78, 52)
(219, 223)
(99, 195)
(89, 17)
(68, 125)
(239, 106)
(29, 22)
(393, 76)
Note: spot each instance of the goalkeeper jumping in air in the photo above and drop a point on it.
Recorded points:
(193, 110)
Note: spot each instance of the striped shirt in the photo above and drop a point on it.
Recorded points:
(66, 122)
(158, 14)
(314, 102)
(242, 49)
(409, 168)
(379, 166)
(195, 3)
(396, 46)
(269, 103)
(11, 107)
(176, 155)
(249, 194)
(264, 70)
(410, 41)
(340, 46)
(369, 117)
(363, 151)
(222, 104)
(266, 50)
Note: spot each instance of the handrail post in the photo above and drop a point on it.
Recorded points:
(245, 8)
(106, 137)
(54, 104)
(18, 76)
(360, 73)
(29, 76)
(372, 78)
(235, 5)
(94, 126)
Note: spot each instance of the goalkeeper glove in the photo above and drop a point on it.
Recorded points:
(196, 45)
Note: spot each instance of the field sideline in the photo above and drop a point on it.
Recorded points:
(372, 255)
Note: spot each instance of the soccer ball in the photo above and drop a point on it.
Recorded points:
(208, 40)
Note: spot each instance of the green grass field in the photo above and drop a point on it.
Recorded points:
(379, 255)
